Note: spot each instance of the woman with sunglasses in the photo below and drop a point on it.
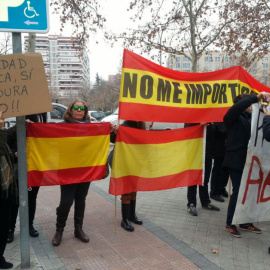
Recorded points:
(77, 112)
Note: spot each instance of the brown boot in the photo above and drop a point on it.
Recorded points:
(57, 238)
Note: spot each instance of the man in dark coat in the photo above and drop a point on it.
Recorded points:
(238, 126)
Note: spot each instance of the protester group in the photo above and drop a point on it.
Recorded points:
(225, 156)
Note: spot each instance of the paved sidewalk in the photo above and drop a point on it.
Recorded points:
(169, 239)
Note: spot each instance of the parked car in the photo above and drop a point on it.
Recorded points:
(113, 118)
(54, 116)
(97, 115)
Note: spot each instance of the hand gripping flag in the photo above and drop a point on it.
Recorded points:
(155, 160)
(59, 154)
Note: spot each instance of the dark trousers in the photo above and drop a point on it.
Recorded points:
(71, 193)
(236, 181)
(32, 202)
(219, 177)
(5, 208)
(203, 190)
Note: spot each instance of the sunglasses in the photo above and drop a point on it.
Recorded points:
(76, 108)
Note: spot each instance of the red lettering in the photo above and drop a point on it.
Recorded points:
(266, 183)
(254, 181)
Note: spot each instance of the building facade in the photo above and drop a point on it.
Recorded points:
(67, 68)
(211, 61)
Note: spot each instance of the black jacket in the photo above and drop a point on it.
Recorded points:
(238, 126)
(266, 128)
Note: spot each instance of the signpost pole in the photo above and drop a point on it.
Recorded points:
(22, 174)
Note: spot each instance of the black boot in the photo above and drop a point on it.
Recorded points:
(125, 222)
(10, 238)
(4, 264)
(78, 222)
(60, 225)
(32, 231)
(132, 214)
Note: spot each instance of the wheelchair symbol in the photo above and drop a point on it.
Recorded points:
(30, 12)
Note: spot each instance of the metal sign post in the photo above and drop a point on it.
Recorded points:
(23, 16)
(22, 169)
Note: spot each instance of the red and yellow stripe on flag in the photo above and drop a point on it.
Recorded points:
(59, 154)
(150, 92)
(155, 160)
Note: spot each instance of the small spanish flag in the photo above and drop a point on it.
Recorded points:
(147, 160)
(60, 154)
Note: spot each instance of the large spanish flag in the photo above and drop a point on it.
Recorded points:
(147, 160)
(150, 92)
(59, 154)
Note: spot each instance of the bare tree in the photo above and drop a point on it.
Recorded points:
(192, 27)
(83, 15)
(5, 44)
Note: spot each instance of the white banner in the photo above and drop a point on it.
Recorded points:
(253, 203)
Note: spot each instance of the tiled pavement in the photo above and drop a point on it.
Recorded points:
(169, 238)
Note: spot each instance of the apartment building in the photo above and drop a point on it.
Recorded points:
(67, 69)
(211, 61)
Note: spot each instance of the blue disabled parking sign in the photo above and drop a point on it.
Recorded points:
(24, 16)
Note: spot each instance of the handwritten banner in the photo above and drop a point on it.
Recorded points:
(23, 85)
(253, 202)
(150, 92)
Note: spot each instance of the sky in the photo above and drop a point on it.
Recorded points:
(104, 60)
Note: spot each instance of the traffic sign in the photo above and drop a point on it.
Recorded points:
(24, 16)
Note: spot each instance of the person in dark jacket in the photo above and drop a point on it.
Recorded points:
(203, 190)
(238, 126)
(266, 123)
(128, 201)
(32, 191)
(8, 192)
(77, 112)
(219, 175)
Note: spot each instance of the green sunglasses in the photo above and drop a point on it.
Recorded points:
(76, 108)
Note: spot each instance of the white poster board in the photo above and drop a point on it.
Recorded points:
(253, 203)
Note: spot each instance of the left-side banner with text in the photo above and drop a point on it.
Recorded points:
(150, 92)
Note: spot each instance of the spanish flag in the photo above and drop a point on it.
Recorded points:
(60, 154)
(147, 160)
(150, 92)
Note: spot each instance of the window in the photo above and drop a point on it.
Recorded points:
(217, 59)
(265, 59)
(177, 65)
(185, 59)
(186, 65)
(208, 59)
(265, 65)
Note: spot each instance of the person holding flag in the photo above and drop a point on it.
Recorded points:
(238, 125)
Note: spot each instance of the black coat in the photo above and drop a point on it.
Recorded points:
(238, 126)
(266, 128)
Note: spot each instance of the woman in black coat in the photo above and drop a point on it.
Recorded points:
(238, 125)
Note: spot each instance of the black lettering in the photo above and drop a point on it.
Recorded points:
(245, 90)
(22, 63)
(24, 75)
(222, 99)
(233, 87)
(8, 78)
(163, 90)
(130, 85)
(207, 90)
(216, 89)
(12, 64)
(4, 64)
(16, 89)
(188, 93)
(197, 93)
(176, 93)
(24, 89)
(146, 89)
